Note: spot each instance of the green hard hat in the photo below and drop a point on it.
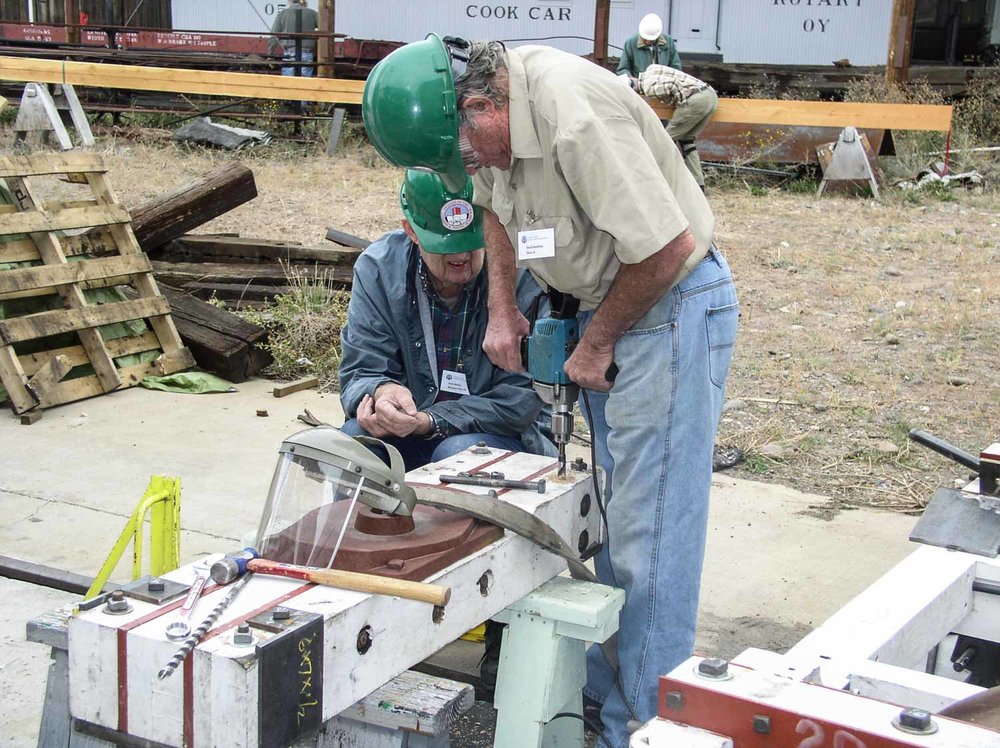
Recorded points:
(445, 223)
(410, 112)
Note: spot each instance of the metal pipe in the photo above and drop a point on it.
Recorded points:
(944, 448)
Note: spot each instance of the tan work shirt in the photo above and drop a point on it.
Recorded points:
(591, 161)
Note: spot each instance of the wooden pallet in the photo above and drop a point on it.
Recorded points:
(32, 231)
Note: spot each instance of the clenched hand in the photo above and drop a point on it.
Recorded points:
(503, 338)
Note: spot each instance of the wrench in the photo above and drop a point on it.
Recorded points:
(181, 628)
(493, 480)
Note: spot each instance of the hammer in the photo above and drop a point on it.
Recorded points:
(235, 565)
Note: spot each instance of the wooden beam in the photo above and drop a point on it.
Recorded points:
(50, 163)
(602, 20)
(77, 356)
(194, 203)
(897, 69)
(826, 114)
(44, 324)
(191, 248)
(53, 372)
(177, 80)
(35, 221)
(49, 276)
(324, 49)
(298, 385)
(71, 17)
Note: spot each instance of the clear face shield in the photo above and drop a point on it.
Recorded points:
(315, 491)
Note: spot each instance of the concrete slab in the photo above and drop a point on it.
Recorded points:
(24, 666)
(778, 561)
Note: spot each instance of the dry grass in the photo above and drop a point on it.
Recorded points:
(857, 313)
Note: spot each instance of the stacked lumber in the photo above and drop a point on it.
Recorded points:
(57, 343)
(251, 272)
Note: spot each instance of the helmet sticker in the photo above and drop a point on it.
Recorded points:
(457, 215)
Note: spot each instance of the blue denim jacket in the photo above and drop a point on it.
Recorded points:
(384, 341)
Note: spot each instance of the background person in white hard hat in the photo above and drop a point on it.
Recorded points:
(694, 103)
(649, 47)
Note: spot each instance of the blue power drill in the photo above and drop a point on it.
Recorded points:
(544, 353)
(551, 343)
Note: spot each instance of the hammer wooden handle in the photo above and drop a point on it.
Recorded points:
(423, 592)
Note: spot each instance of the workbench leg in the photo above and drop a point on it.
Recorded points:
(541, 674)
(53, 732)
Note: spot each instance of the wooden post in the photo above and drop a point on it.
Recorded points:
(897, 68)
(325, 49)
(72, 20)
(602, 18)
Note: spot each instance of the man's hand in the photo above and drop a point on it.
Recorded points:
(588, 366)
(391, 412)
(503, 338)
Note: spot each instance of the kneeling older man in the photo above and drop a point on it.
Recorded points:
(413, 371)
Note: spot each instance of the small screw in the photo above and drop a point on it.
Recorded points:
(915, 722)
(156, 585)
(281, 614)
(243, 636)
(675, 700)
(715, 668)
(761, 724)
(117, 604)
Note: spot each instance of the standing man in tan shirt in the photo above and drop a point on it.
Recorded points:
(580, 184)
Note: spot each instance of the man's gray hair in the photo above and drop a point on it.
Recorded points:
(486, 60)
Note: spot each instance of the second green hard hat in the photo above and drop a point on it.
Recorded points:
(445, 222)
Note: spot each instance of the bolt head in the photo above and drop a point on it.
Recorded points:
(915, 721)
(281, 614)
(243, 637)
(761, 724)
(117, 603)
(156, 585)
(713, 667)
(675, 700)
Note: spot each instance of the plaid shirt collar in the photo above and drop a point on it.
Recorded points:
(450, 325)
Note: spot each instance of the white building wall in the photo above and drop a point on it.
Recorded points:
(805, 32)
(794, 32)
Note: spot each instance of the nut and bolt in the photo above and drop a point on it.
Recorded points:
(761, 724)
(580, 465)
(480, 449)
(243, 637)
(915, 722)
(714, 668)
(156, 585)
(675, 700)
(281, 614)
(117, 604)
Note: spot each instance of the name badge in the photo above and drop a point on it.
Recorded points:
(536, 244)
(454, 382)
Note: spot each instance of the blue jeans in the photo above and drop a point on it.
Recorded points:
(654, 433)
(307, 56)
(417, 451)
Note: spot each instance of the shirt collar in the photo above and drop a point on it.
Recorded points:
(658, 43)
(523, 138)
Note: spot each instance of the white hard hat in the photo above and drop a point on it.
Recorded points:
(650, 27)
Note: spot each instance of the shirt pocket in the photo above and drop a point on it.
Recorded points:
(565, 233)
(503, 206)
